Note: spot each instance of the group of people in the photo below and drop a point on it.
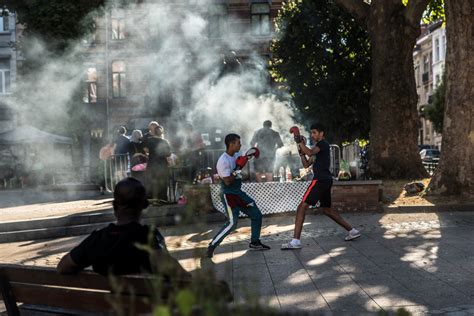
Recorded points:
(114, 249)
(149, 156)
(318, 193)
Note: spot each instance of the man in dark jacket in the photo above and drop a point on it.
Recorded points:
(267, 141)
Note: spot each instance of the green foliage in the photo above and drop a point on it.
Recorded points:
(323, 56)
(185, 300)
(57, 22)
(434, 12)
(435, 111)
(162, 310)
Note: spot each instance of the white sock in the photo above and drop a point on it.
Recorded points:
(353, 230)
(296, 242)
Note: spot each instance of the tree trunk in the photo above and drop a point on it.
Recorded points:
(455, 173)
(394, 117)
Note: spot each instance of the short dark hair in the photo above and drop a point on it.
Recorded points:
(130, 197)
(319, 127)
(230, 138)
(122, 130)
(267, 123)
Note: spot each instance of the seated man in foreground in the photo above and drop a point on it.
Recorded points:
(114, 250)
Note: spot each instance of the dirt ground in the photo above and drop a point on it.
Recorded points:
(394, 194)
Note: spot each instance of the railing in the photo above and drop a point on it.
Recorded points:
(335, 159)
(117, 167)
(351, 154)
(209, 157)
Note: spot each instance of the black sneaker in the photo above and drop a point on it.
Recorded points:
(210, 251)
(257, 245)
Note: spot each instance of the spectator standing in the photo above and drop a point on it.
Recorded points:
(193, 144)
(138, 157)
(157, 173)
(267, 141)
(121, 141)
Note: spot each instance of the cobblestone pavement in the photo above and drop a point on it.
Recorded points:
(422, 262)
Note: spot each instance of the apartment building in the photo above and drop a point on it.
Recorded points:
(429, 58)
(8, 70)
(116, 88)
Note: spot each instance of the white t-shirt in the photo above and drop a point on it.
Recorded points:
(226, 164)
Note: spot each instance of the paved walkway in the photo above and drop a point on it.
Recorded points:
(29, 204)
(422, 262)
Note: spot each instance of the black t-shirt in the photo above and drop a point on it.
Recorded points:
(322, 162)
(113, 249)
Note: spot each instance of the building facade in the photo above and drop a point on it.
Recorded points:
(116, 91)
(429, 59)
(8, 70)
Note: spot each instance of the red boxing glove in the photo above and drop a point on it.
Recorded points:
(295, 130)
(253, 152)
(240, 162)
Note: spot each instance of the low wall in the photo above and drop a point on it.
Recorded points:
(353, 196)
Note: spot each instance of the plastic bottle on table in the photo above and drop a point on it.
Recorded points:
(289, 177)
(281, 173)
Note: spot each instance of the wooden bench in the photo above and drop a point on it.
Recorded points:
(43, 289)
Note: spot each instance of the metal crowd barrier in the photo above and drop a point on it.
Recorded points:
(335, 159)
(117, 167)
(431, 166)
(209, 157)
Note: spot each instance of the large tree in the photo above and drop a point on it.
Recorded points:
(393, 27)
(455, 173)
(323, 56)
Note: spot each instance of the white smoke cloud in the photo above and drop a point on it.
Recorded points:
(171, 46)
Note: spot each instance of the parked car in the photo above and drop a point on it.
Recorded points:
(424, 146)
(430, 154)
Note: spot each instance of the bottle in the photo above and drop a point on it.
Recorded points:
(288, 174)
(281, 173)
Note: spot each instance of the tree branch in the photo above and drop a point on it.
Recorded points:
(357, 8)
(414, 11)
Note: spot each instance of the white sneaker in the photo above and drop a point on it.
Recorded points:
(290, 246)
(353, 234)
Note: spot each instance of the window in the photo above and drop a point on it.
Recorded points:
(443, 43)
(260, 19)
(426, 64)
(90, 38)
(5, 76)
(217, 20)
(436, 50)
(417, 74)
(118, 28)
(118, 79)
(90, 93)
(4, 23)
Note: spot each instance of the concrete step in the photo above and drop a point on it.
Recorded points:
(83, 224)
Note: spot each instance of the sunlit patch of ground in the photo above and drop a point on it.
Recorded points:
(395, 195)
